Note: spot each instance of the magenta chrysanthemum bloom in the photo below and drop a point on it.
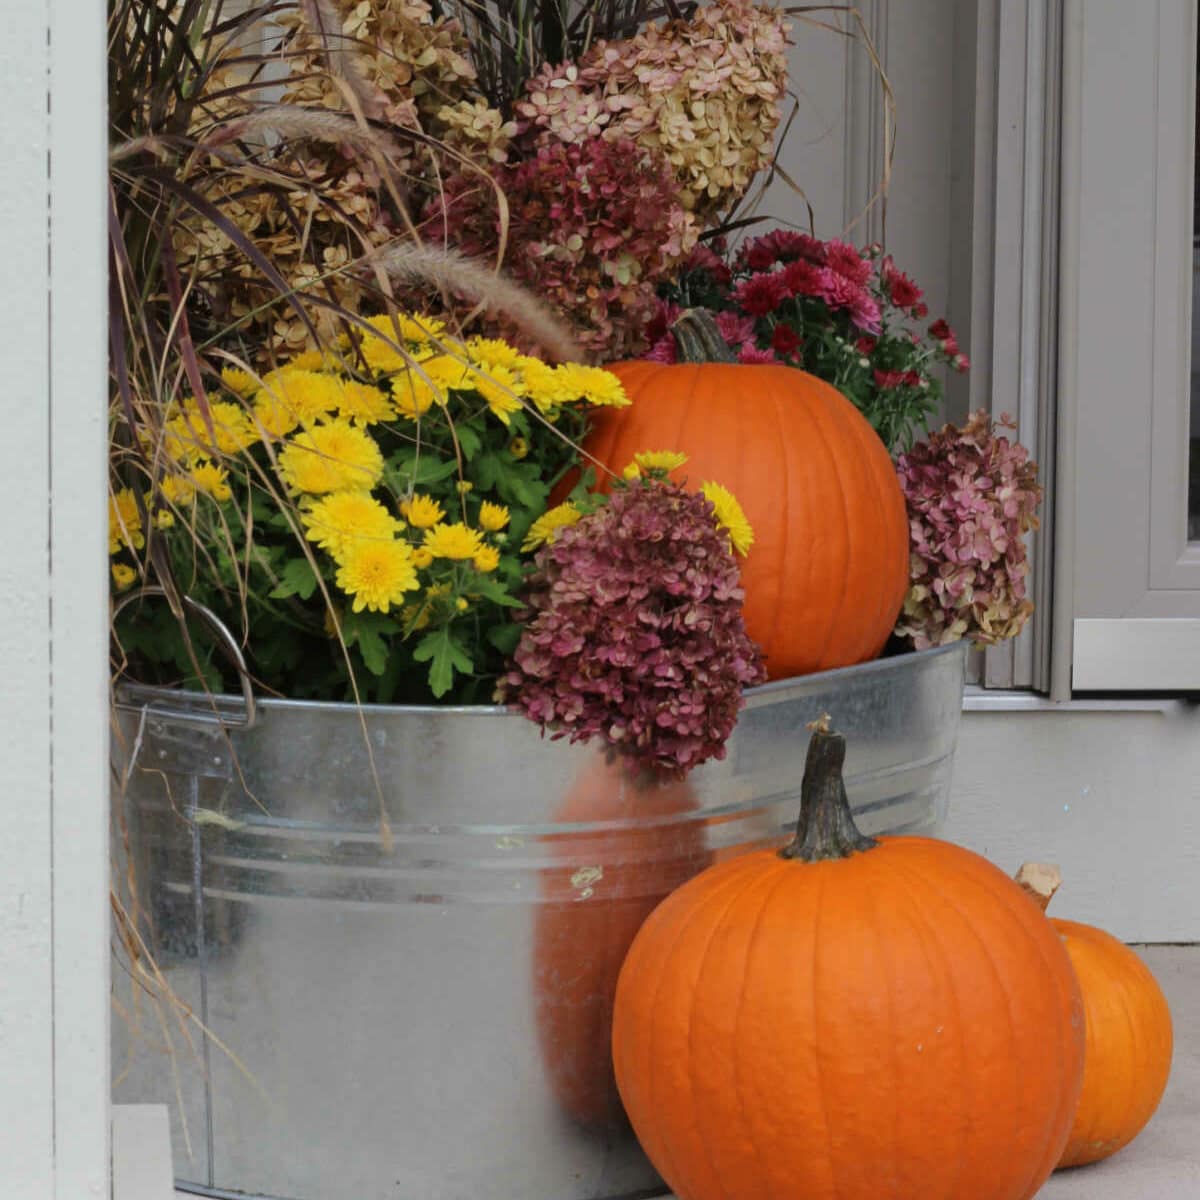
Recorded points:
(634, 633)
(972, 495)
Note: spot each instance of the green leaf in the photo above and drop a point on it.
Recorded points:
(296, 579)
(369, 632)
(445, 655)
(505, 638)
(495, 591)
(409, 469)
(469, 440)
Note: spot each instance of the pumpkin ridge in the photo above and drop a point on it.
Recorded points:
(819, 1090)
(1045, 1162)
(834, 618)
(665, 1157)
(739, 1091)
(930, 881)
(881, 512)
(935, 951)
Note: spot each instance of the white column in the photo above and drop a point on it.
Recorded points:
(53, 604)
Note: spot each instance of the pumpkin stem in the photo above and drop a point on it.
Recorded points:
(1040, 881)
(698, 339)
(826, 828)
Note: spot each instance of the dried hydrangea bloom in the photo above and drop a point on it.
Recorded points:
(972, 494)
(634, 634)
(703, 93)
(592, 228)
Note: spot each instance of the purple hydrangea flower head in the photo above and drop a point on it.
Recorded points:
(634, 633)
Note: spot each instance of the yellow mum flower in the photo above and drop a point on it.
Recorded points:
(502, 390)
(377, 574)
(123, 576)
(546, 527)
(336, 457)
(232, 430)
(422, 511)
(308, 360)
(164, 519)
(124, 522)
(453, 541)
(414, 396)
(488, 559)
(364, 404)
(594, 384)
(378, 348)
(177, 490)
(212, 480)
(493, 517)
(237, 380)
(492, 352)
(730, 517)
(422, 558)
(450, 374)
(461, 604)
(309, 395)
(274, 417)
(654, 461)
(518, 447)
(546, 386)
(340, 520)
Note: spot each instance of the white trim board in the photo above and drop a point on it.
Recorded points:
(1127, 654)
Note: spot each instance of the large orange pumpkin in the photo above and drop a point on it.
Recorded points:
(1127, 1059)
(594, 900)
(828, 570)
(848, 1019)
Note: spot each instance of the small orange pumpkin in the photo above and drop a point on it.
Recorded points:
(593, 903)
(849, 1019)
(1127, 1059)
(828, 570)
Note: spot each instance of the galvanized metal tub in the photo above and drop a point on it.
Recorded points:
(429, 1021)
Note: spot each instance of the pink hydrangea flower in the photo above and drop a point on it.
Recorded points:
(634, 635)
(972, 494)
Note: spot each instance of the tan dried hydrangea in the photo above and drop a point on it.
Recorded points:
(704, 93)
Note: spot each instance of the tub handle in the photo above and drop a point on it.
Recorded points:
(229, 647)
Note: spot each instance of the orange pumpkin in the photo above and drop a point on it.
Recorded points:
(828, 570)
(593, 904)
(849, 1019)
(1127, 1059)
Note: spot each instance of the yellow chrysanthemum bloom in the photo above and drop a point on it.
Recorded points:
(654, 460)
(546, 386)
(422, 558)
(212, 481)
(518, 447)
(422, 511)
(377, 574)
(342, 519)
(492, 352)
(458, 541)
(546, 527)
(124, 522)
(730, 517)
(364, 404)
(273, 416)
(237, 380)
(307, 360)
(379, 348)
(594, 384)
(123, 576)
(492, 517)
(335, 457)
(488, 559)
(462, 604)
(414, 396)
(309, 395)
(232, 430)
(502, 390)
(177, 490)
(450, 374)
(164, 519)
